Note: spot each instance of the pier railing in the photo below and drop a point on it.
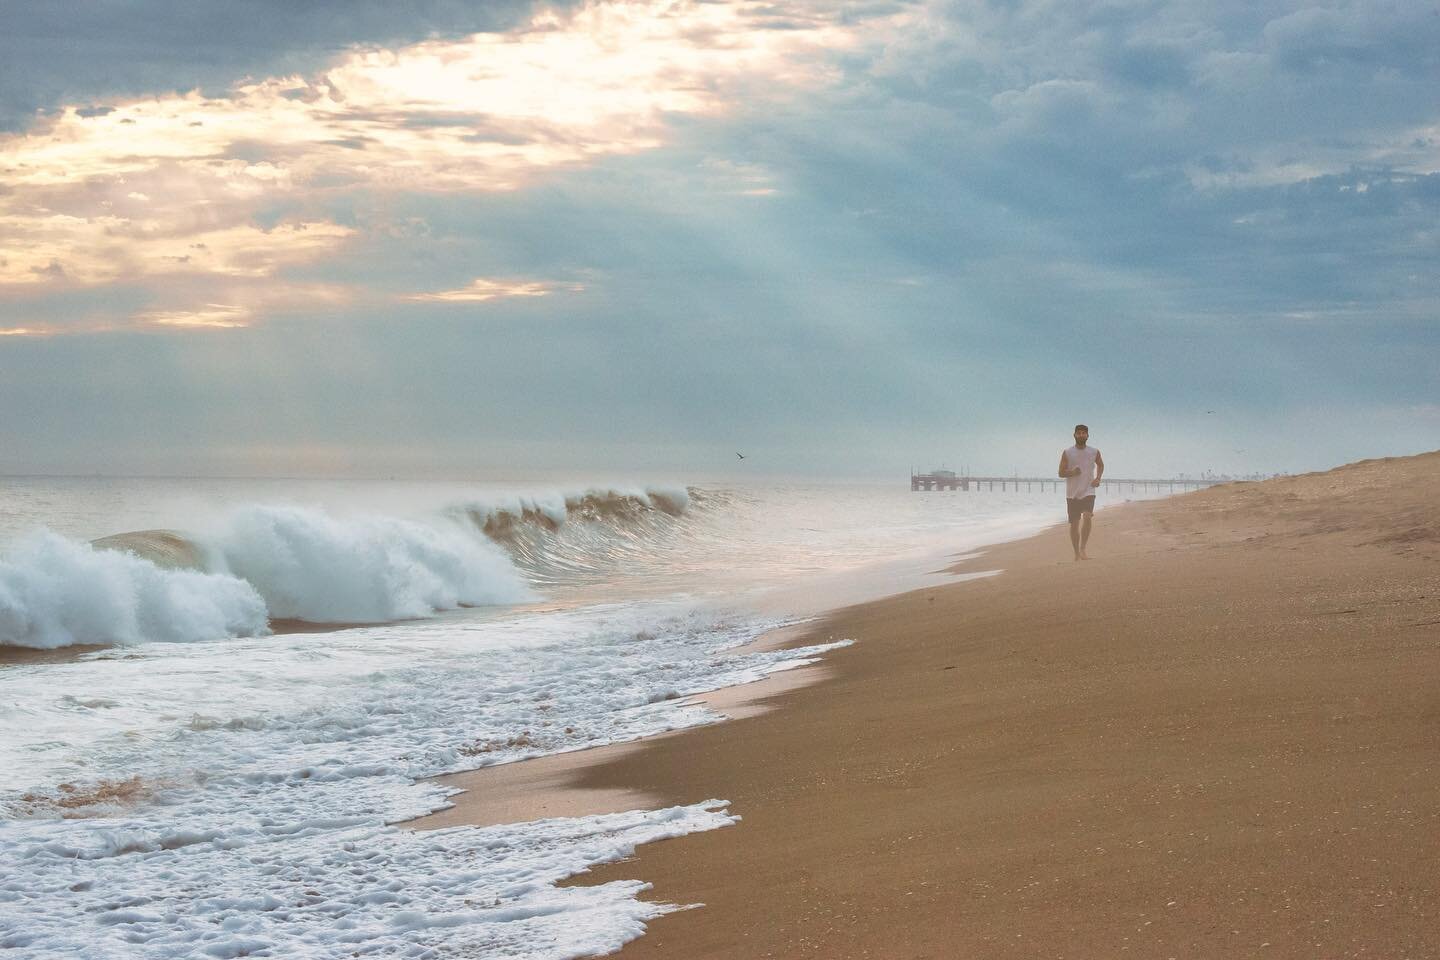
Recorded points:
(942, 481)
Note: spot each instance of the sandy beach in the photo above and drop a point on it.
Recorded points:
(1218, 738)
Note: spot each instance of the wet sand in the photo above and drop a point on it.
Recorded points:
(11, 656)
(22, 656)
(1218, 738)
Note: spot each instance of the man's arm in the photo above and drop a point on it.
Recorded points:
(1099, 469)
(1063, 472)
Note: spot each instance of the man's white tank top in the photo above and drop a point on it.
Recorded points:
(1079, 486)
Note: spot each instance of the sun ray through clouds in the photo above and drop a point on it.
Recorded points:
(231, 189)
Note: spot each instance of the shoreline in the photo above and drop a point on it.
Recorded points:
(547, 786)
(884, 579)
(550, 785)
(15, 655)
(1214, 739)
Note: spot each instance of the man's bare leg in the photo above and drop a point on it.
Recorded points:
(1075, 538)
(1084, 537)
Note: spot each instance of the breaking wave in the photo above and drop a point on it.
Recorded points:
(585, 537)
(315, 567)
(262, 563)
(56, 592)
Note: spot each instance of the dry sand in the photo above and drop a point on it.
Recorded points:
(1219, 738)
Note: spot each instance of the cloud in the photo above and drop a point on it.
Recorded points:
(1164, 84)
(481, 289)
(182, 302)
(56, 248)
(739, 177)
(210, 316)
(49, 55)
(174, 185)
(560, 92)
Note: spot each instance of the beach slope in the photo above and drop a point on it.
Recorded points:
(1218, 738)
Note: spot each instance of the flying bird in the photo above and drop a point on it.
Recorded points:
(739, 454)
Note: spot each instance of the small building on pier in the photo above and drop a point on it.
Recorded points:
(938, 480)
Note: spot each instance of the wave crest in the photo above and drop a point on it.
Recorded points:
(56, 592)
(587, 536)
(311, 566)
(164, 548)
(503, 522)
(274, 562)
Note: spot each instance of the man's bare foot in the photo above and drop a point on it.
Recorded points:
(1083, 556)
(1078, 558)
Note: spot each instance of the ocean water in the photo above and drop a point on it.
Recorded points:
(284, 662)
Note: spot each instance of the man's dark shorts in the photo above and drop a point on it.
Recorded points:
(1082, 505)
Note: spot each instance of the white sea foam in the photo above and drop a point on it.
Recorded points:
(342, 893)
(285, 561)
(56, 592)
(259, 802)
(310, 565)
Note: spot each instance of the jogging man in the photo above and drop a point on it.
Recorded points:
(1082, 467)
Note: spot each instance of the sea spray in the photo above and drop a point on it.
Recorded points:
(262, 562)
(56, 592)
(311, 565)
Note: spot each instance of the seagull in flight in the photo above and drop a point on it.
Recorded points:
(739, 454)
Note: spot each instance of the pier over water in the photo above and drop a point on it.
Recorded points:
(949, 480)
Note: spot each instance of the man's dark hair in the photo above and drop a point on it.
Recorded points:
(1081, 426)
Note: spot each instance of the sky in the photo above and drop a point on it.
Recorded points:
(355, 238)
